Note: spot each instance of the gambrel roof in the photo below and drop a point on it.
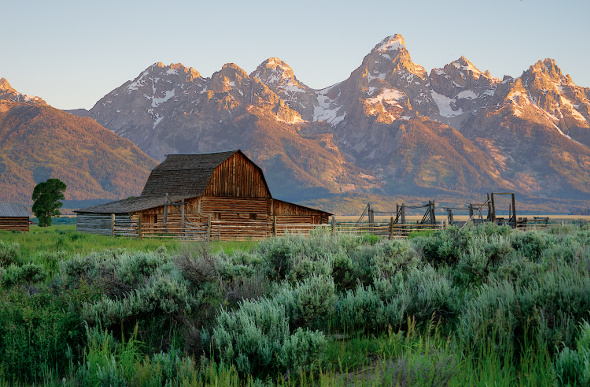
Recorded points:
(180, 176)
(184, 174)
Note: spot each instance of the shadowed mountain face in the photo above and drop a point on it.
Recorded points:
(38, 142)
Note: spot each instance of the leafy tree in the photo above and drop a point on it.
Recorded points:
(47, 198)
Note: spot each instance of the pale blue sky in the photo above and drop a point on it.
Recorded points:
(72, 53)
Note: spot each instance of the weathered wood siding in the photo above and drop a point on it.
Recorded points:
(292, 213)
(98, 223)
(237, 177)
(10, 223)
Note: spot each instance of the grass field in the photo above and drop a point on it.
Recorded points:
(471, 306)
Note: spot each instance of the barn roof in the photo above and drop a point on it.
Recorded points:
(184, 174)
(14, 210)
(180, 176)
(130, 205)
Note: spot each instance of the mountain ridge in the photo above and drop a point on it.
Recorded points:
(38, 142)
(390, 127)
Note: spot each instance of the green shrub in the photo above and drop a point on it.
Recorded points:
(358, 310)
(276, 253)
(162, 294)
(530, 244)
(343, 272)
(483, 255)
(255, 339)
(444, 247)
(429, 292)
(314, 300)
(251, 338)
(9, 254)
(304, 351)
(133, 269)
(302, 267)
(26, 274)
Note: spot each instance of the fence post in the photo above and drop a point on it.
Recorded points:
(139, 226)
(209, 228)
(182, 220)
(391, 228)
(112, 225)
(274, 225)
(333, 225)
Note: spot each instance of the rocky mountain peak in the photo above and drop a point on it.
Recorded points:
(391, 44)
(275, 73)
(462, 64)
(233, 70)
(10, 94)
(547, 66)
(5, 86)
(230, 76)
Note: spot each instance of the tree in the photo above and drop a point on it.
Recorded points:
(47, 198)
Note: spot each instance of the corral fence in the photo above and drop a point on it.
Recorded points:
(209, 229)
(388, 229)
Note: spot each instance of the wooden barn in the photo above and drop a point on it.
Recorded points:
(220, 196)
(14, 216)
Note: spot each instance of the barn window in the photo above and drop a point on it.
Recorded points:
(216, 216)
(252, 216)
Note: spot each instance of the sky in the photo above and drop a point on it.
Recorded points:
(72, 53)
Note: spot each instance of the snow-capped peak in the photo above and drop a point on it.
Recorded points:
(391, 43)
(8, 93)
(462, 64)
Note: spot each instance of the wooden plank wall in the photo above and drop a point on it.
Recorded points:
(238, 218)
(99, 223)
(286, 209)
(14, 223)
(237, 177)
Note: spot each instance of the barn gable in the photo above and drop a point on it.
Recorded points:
(215, 174)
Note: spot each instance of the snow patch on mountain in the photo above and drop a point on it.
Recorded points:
(444, 105)
(389, 96)
(167, 95)
(467, 94)
(572, 109)
(325, 110)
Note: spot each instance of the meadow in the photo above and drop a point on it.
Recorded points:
(460, 306)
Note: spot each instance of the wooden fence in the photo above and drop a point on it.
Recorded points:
(389, 229)
(207, 229)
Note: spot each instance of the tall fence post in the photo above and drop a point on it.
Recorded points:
(391, 228)
(274, 225)
(112, 225)
(139, 226)
(209, 228)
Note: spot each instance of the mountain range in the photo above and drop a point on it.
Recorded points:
(390, 129)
